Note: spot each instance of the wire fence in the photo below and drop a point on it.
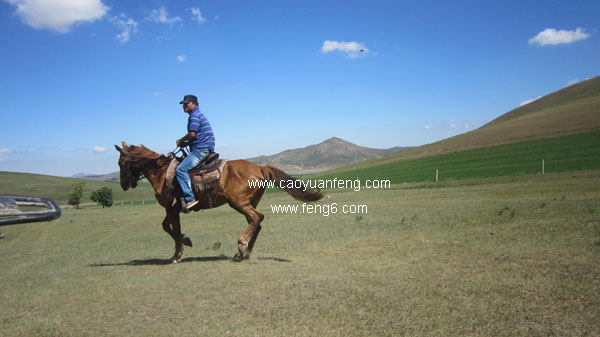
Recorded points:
(118, 203)
(134, 202)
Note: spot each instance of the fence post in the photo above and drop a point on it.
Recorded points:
(543, 166)
(436, 174)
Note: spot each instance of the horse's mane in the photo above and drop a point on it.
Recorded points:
(141, 156)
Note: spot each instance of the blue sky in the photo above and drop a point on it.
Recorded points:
(272, 75)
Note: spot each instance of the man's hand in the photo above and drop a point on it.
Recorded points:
(183, 140)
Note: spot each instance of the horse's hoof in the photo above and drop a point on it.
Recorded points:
(187, 242)
(239, 256)
(174, 262)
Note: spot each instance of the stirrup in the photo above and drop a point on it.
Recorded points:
(187, 207)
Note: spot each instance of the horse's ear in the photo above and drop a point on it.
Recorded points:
(124, 145)
(119, 149)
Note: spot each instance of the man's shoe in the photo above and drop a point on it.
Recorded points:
(190, 205)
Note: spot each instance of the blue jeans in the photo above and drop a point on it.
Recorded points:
(183, 172)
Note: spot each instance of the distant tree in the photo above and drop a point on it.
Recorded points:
(76, 191)
(104, 196)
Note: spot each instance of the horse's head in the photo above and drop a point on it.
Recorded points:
(130, 174)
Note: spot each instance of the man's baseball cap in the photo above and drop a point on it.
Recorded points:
(189, 98)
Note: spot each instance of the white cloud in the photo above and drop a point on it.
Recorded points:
(551, 36)
(573, 81)
(58, 15)
(428, 127)
(467, 126)
(126, 25)
(525, 102)
(197, 15)
(181, 58)
(162, 16)
(99, 149)
(157, 93)
(4, 151)
(351, 49)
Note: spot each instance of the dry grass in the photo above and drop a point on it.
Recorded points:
(508, 256)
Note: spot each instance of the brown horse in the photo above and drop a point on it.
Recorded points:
(233, 189)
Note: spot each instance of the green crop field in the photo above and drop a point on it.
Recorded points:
(565, 153)
(501, 256)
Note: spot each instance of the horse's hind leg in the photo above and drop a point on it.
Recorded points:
(253, 239)
(258, 227)
(248, 237)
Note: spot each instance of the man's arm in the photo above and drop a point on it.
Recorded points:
(189, 136)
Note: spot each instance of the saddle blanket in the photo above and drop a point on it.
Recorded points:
(202, 179)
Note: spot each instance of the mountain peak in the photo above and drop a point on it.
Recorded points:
(330, 153)
(335, 140)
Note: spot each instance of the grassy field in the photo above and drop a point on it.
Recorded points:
(565, 153)
(502, 256)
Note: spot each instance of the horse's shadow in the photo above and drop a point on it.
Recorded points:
(158, 262)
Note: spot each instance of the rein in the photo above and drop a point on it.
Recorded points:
(142, 176)
(170, 155)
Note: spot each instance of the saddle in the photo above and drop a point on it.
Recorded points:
(203, 177)
(209, 164)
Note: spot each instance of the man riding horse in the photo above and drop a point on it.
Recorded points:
(201, 142)
(232, 188)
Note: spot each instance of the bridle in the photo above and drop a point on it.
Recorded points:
(129, 174)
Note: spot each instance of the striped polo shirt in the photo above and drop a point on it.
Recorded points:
(205, 139)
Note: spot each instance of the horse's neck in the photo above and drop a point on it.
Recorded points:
(155, 174)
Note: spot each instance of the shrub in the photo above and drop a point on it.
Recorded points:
(104, 196)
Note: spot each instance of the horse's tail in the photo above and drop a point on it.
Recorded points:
(299, 193)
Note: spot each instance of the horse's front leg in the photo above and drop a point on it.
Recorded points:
(175, 232)
(166, 225)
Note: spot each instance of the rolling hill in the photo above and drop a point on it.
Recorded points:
(57, 188)
(575, 109)
(113, 177)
